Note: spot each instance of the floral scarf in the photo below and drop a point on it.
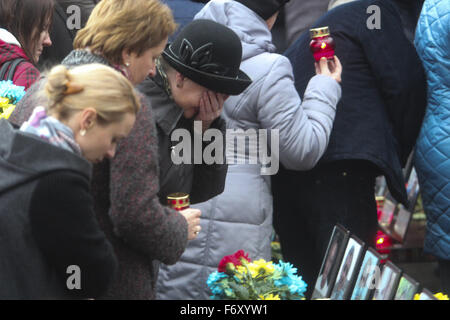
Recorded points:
(51, 130)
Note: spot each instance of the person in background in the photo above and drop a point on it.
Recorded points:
(24, 32)
(47, 219)
(125, 188)
(183, 12)
(69, 17)
(241, 217)
(432, 40)
(377, 122)
(299, 15)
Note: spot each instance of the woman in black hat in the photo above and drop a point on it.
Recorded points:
(195, 75)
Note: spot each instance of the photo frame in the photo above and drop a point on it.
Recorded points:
(412, 190)
(348, 270)
(427, 295)
(387, 212)
(380, 186)
(387, 286)
(331, 262)
(401, 223)
(368, 275)
(407, 288)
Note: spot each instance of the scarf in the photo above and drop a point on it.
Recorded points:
(51, 130)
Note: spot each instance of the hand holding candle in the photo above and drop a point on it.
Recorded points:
(180, 201)
(322, 47)
(322, 44)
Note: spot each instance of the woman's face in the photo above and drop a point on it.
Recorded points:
(44, 41)
(100, 141)
(144, 65)
(187, 94)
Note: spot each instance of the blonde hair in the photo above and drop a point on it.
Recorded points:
(134, 25)
(93, 85)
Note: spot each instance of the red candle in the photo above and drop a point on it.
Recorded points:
(178, 201)
(322, 44)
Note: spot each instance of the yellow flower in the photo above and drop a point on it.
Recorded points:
(262, 267)
(240, 272)
(5, 108)
(7, 112)
(441, 296)
(269, 297)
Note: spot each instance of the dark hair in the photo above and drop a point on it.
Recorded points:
(26, 19)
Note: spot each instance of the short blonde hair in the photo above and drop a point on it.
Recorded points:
(92, 85)
(134, 25)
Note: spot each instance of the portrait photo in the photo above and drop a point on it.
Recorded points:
(401, 223)
(348, 269)
(427, 295)
(407, 288)
(331, 262)
(387, 212)
(387, 286)
(369, 274)
(412, 190)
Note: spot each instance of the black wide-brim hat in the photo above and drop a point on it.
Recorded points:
(209, 54)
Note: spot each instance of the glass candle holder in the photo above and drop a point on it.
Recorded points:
(322, 44)
(178, 201)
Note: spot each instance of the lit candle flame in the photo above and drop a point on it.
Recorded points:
(324, 45)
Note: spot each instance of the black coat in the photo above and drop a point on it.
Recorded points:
(383, 89)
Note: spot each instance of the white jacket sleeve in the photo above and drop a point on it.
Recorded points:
(304, 127)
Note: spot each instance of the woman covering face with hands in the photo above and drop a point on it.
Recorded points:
(194, 76)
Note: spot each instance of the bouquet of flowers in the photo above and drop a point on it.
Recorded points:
(239, 278)
(10, 94)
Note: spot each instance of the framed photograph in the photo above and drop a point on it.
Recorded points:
(427, 295)
(387, 284)
(407, 288)
(412, 190)
(331, 262)
(387, 212)
(348, 270)
(369, 273)
(380, 186)
(401, 223)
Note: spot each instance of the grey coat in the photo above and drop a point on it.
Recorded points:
(241, 217)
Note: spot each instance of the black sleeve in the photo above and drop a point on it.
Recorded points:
(66, 230)
(209, 179)
(399, 74)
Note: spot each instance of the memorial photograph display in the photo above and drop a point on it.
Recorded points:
(369, 274)
(331, 262)
(427, 295)
(407, 288)
(348, 269)
(387, 286)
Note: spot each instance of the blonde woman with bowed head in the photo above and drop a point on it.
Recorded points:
(52, 245)
(129, 35)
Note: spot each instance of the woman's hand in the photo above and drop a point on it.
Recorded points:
(210, 108)
(193, 219)
(331, 68)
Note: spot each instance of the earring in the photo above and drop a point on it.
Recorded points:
(83, 132)
(127, 64)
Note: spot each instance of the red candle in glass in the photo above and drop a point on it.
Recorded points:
(322, 44)
(178, 201)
